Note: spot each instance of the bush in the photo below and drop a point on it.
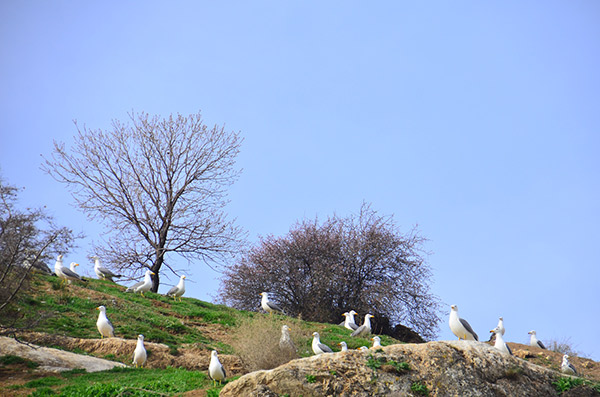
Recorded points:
(256, 342)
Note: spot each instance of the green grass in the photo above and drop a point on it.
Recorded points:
(566, 383)
(121, 382)
(16, 360)
(419, 388)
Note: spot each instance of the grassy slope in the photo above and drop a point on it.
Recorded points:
(72, 312)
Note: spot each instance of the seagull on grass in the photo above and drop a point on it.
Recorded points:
(364, 329)
(64, 273)
(102, 272)
(215, 369)
(104, 325)
(142, 286)
(285, 342)
(318, 347)
(461, 327)
(269, 306)
(178, 290)
(139, 354)
(349, 322)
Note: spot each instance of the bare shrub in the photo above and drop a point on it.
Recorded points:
(256, 342)
(563, 346)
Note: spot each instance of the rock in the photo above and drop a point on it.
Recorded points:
(461, 368)
(54, 360)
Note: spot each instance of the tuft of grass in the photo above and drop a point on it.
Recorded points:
(311, 378)
(14, 360)
(566, 383)
(419, 388)
(375, 363)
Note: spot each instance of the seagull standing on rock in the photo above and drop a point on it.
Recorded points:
(460, 327)
(566, 367)
(500, 344)
(534, 341)
(344, 346)
(139, 354)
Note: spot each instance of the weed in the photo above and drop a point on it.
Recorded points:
(513, 372)
(11, 360)
(311, 378)
(419, 388)
(47, 381)
(375, 362)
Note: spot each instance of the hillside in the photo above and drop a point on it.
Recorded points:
(178, 336)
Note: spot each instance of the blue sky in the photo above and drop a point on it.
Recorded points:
(478, 121)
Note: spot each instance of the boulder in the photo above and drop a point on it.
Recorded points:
(450, 368)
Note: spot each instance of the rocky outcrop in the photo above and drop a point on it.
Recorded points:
(453, 368)
(54, 360)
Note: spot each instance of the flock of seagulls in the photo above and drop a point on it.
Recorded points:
(463, 330)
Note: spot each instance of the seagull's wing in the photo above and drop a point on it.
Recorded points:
(540, 344)
(107, 273)
(134, 286)
(69, 273)
(508, 348)
(274, 307)
(359, 331)
(573, 368)
(223, 370)
(172, 291)
(467, 326)
(353, 326)
(342, 323)
(325, 348)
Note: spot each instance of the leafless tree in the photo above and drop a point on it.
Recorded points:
(321, 270)
(159, 187)
(28, 239)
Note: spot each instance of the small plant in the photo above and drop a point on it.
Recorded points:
(311, 378)
(375, 362)
(513, 372)
(11, 360)
(401, 366)
(419, 388)
(333, 373)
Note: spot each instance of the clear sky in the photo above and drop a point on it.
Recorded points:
(478, 121)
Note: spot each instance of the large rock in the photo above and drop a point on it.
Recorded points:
(54, 360)
(454, 368)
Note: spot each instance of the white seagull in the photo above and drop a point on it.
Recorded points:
(500, 344)
(269, 306)
(344, 346)
(215, 369)
(64, 273)
(142, 286)
(178, 290)
(460, 327)
(104, 325)
(349, 321)
(102, 272)
(534, 341)
(567, 367)
(318, 347)
(376, 341)
(500, 325)
(139, 354)
(364, 329)
(73, 268)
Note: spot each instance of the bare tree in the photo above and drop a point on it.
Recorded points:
(321, 270)
(28, 239)
(159, 187)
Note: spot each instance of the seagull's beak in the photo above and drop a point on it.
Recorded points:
(152, 273)
(98, 308)
(492, 330)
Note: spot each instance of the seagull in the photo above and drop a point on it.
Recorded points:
(285, 342)
(269, 306)
(178, 290)
(364, 329)
(104, 325)
(344, 346)
(567, 367)
(102, 272)
(64, 273)
(376, 341)
(37, 267)
(349, 322)
(72, 267)
(460, 327)
(500, 325)
(215, 369)
(318, 347)
(534, 341)
(500, 344)
(363, 348)
(142, 286)
(139, 354)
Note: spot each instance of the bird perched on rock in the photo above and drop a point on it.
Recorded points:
(64, 273)
(349, 321)
(318, 347)
(363, 348)
(534, 341)
(285, 341)
(142, 286)
(104, 325)
(139, 354)
(178, 290)
(269, 306)
(344, 346)
(364, 329)
(500, 325)
(461, 327)
(566, 367)
(376, 341)
(215, 369)
(102, 272)
(500, 344)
